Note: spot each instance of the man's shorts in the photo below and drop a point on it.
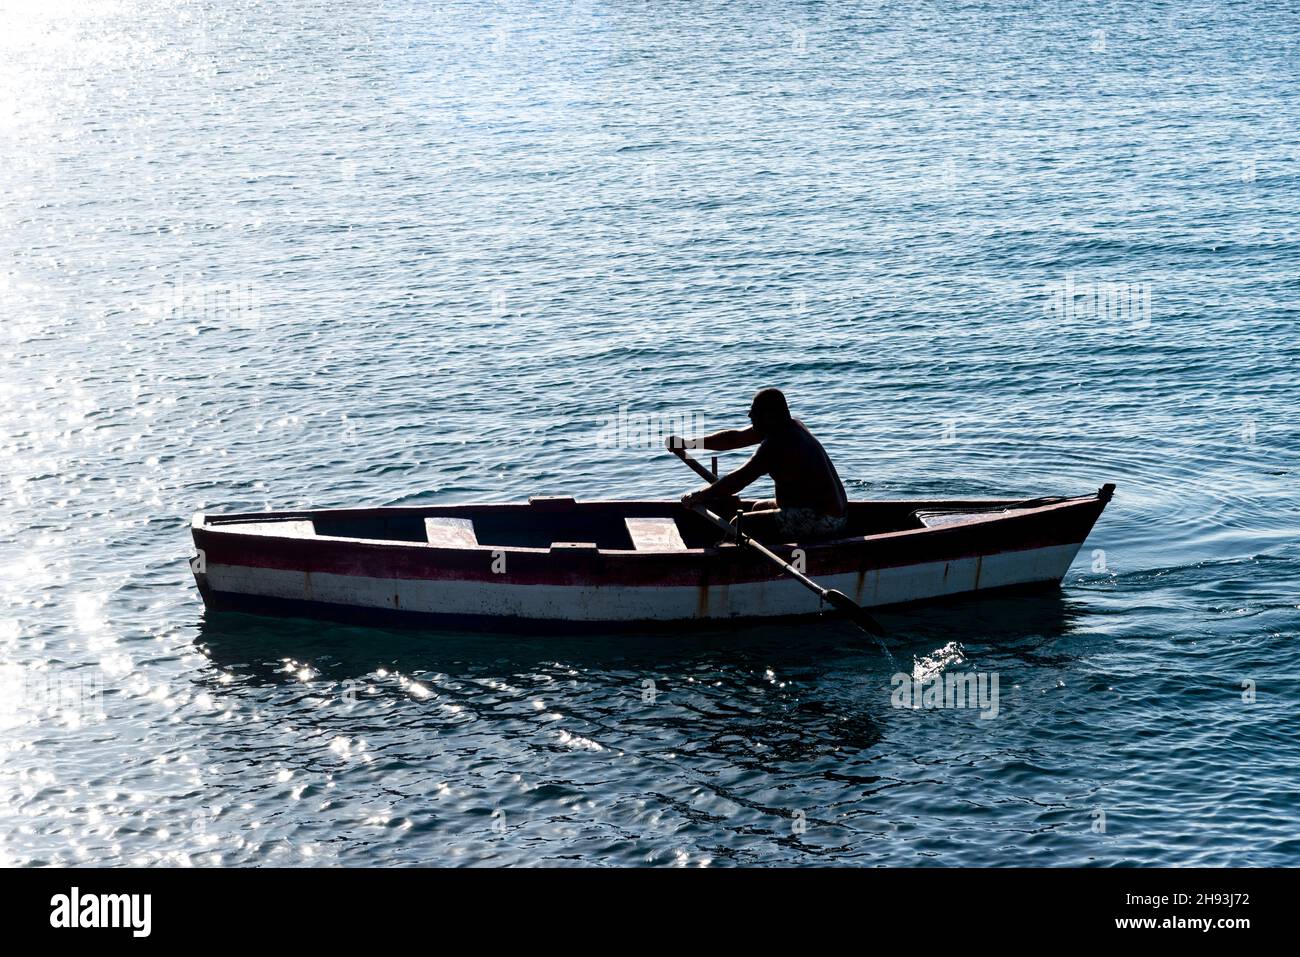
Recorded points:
(795, 524)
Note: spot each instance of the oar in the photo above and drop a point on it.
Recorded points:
(836, 599)
(700, 470)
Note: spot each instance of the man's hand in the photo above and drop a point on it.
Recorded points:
(691, 499)
(675, 443)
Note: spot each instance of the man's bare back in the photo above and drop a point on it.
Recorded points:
(802, 471)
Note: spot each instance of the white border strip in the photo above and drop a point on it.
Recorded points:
(631, 603)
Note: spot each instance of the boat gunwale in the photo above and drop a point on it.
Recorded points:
(202, 521)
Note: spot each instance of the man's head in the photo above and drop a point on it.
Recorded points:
(768, 412)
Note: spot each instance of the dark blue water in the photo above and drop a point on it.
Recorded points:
(277, 255)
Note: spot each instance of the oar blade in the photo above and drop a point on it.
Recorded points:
(855, 612)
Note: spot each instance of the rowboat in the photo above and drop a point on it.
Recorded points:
(616, 564)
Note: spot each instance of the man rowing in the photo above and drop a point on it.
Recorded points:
(810, 500)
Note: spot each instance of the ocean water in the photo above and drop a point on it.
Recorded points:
(273, 255)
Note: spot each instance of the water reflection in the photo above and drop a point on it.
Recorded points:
(258, 646)
(756, 696)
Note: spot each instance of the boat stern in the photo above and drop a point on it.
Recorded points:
(199, 560)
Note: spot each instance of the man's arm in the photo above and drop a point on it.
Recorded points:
(723, 441)
(729, 484)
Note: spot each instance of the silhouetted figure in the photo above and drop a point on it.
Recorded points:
(810, 500)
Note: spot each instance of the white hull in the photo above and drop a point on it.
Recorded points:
(637, 603)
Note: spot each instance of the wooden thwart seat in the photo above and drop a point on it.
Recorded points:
(450, 532)
(655, 535)
(938, 517)
(301, 529)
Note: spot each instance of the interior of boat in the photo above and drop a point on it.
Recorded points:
(552, 522)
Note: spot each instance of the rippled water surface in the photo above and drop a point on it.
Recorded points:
(267, 255)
